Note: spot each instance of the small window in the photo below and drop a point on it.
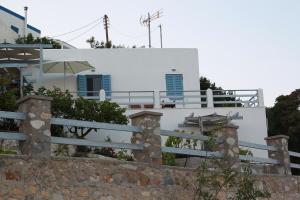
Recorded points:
(14, 28)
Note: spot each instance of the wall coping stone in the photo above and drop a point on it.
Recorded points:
(145, 113)
(231, 125)
(26, 98)
(277, 137)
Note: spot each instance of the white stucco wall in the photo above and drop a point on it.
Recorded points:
(6, 34)
(130, 69)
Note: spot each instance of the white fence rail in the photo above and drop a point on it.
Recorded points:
(171, 99)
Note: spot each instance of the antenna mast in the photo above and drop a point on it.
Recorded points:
(146, 21)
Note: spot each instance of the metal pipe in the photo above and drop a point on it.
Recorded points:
(25, 22)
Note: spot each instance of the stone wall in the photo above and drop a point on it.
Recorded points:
(80, 178)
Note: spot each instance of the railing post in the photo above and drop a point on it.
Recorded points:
(156, 99)
(150, 137)
(102, 96)
(36, 125)
(209, 98)
(282, 155)
(260, 97)
(227, 139)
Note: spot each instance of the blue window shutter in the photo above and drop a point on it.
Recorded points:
(174, 86)
(81, 85)
(170, 85)
(178, 85)
(106, 84)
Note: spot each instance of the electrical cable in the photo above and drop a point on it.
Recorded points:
(78, 36)
(77, 29)
(132, 36)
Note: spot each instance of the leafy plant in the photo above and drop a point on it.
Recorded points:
(8, 151)
(123, 155)
(169, 158)
(246, 187)
(62, 150)
(29, 39)
(215, 179)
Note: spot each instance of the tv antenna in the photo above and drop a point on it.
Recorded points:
(146, 21)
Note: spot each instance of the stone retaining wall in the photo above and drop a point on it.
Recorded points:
(80, 178)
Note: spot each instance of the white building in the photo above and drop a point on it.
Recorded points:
(160, 80)
(12, 26)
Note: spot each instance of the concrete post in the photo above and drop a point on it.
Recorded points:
(102, 96)
(156, 99)
(36, 125)
(260, 94)
(282, 155)
(227, 139)
(209, 98)
(150, 137)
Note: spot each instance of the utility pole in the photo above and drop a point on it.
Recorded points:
(106, 24)
(160, 30)
(146, 21)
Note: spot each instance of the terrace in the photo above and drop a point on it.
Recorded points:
(180, 99)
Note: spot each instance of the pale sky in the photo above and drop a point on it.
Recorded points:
(242, 44)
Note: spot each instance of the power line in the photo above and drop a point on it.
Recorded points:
(77, 29)
(78, 36)
(132, 36)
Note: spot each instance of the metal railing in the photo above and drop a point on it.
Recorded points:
(185, 97)
(202, 153)
(127, 128)
(297, 155)
(211, 98)
(185, 151)
(132, 97)
(235, 98)
(72, 141)
(166, 99)
(127, 98)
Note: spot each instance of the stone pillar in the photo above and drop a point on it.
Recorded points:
(150, 137)
(36, 125)
(282, 155)
(228, 144)
(209, 98)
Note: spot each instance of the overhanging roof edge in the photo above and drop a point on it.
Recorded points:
(28, 46)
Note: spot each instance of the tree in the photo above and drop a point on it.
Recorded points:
(284, 118)
(29, 39)
(95, 44)
(65, 106)
(205, 84)
(8, 96)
